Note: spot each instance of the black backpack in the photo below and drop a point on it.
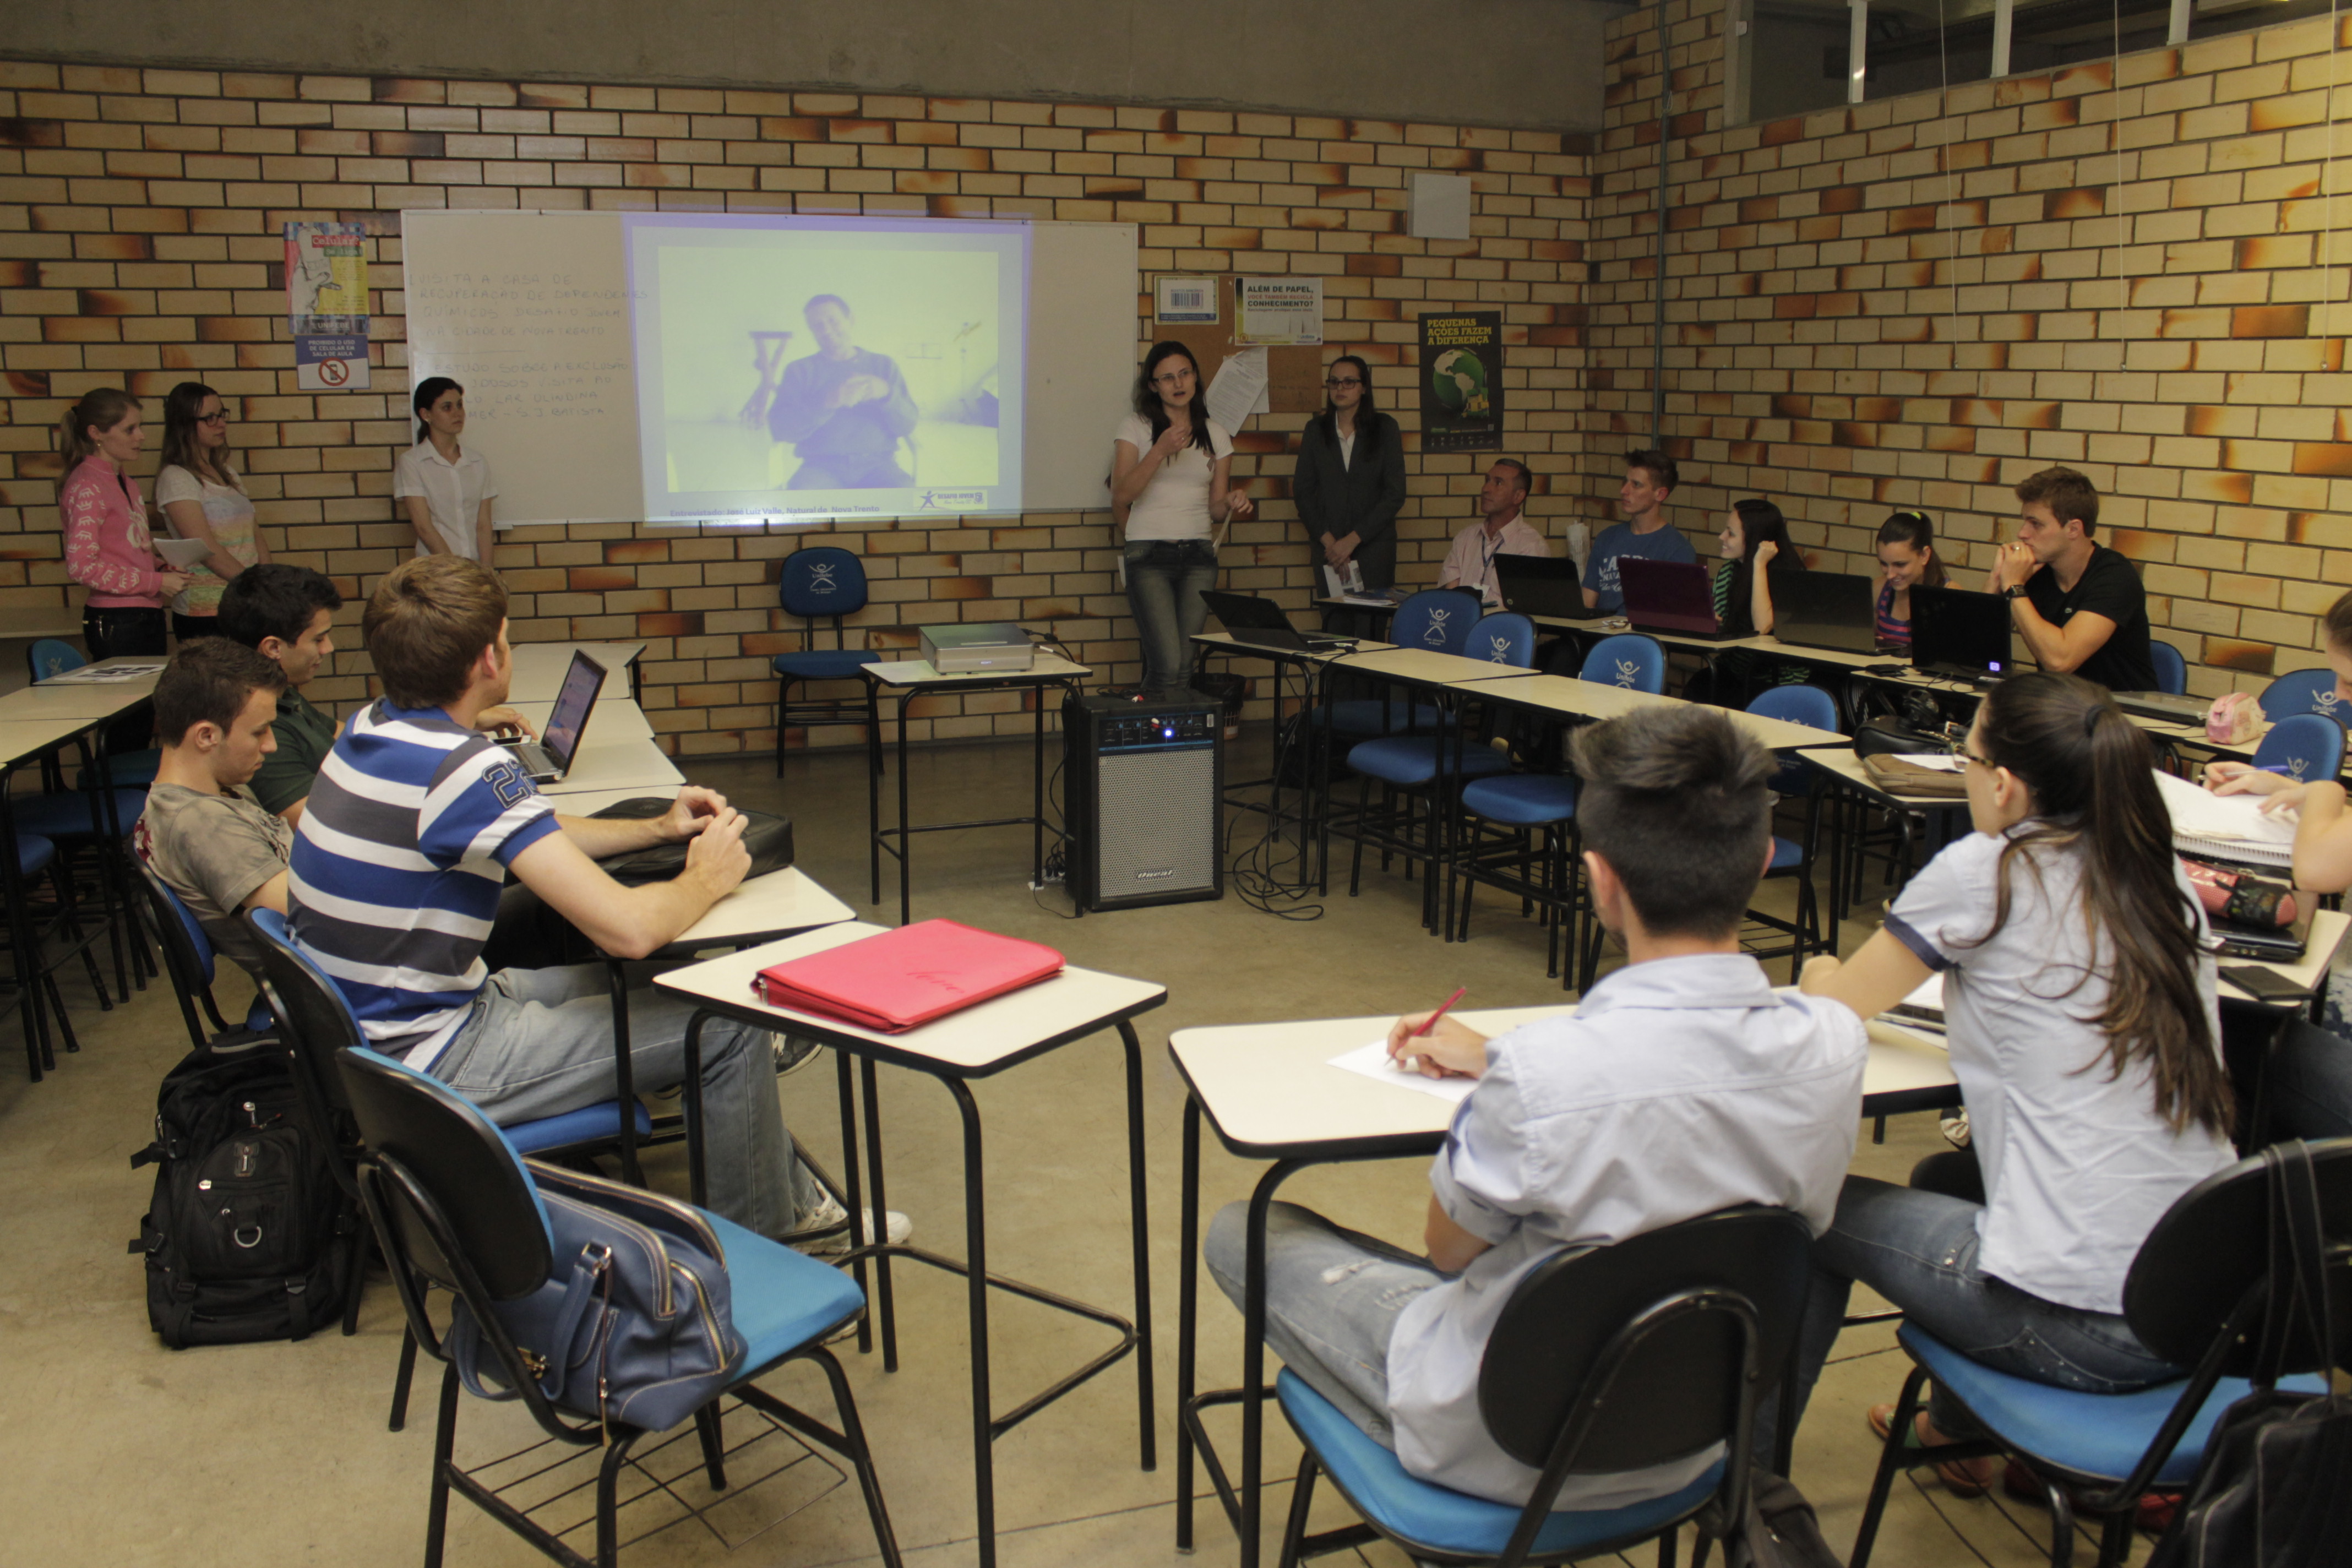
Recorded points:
(247, 1236)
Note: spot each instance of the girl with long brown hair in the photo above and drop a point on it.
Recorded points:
(201, 497)
(2084, 1031)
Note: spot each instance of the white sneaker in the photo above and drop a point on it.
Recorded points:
(793, 1052)
(895, 1229)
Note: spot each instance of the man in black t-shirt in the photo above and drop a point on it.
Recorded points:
(2078, 605)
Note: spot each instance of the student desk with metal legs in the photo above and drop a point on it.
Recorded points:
(540, 667)
(976, 1043)
(1270, 1093)
(908, 679)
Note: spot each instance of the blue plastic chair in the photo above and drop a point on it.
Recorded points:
(2197, 1294)
(1629, 660)
(1503, 637)
(2304, 691)
(1612, 1358)
(2172, 668)
(2305, 746)
(1794, 858)
(34, 856)
(821, 583)
(1438, 619)
(189, 960)
(453, 1204)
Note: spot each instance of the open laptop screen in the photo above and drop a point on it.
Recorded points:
(574, 703)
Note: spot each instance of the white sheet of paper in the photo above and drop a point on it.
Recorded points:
(1934, 762)
(2199, 813)
(1372, 1061)
(181, 552)
(1234, 390)
(1930, 994)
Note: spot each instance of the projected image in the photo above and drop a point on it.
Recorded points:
(812, 368)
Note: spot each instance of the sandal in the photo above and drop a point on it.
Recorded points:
(1961, 1478)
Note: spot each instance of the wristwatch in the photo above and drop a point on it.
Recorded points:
(2015, 591)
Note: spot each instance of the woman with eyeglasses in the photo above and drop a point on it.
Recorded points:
(2080, 1005)
(201, 497)
(1170, 498)
(1349, 482)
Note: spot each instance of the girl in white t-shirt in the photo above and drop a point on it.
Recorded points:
(201, 497)
(2085, 1031)
(1169, 497)
(444, 490)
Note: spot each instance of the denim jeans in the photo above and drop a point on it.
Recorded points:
(1919, 1249)
(539, 1042)
(1332, 1297)
(1165, 579)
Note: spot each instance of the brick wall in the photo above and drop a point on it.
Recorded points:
(140, 243)
(1917, 302)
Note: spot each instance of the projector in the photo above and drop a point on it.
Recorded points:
(994, 648)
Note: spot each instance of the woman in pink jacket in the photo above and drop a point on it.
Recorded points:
(108, 549)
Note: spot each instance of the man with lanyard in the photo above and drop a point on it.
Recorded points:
(1500, 531)
(1650, 477)
(2077, 605)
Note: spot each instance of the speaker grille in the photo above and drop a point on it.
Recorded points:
(1156, 824)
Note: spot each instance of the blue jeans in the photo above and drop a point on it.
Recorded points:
(1919, 1249)
(1332, 1297)
(539, 1042)
(1165, 580)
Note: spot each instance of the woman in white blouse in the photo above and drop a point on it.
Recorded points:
(1169, 497)
(201, 497)
(445, 489)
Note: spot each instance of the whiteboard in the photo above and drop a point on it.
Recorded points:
(530, 311)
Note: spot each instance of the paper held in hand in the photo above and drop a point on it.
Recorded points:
(1372, 1061)
(2226, 827)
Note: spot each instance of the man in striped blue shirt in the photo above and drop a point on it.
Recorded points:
(402, 850)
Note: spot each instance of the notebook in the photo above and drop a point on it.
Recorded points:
(1959, 634)
(1547, 585)
(1672, 597)
(1826, 609)
(902, 979)
(1261, 623)
(2231, 828)
(550, 757)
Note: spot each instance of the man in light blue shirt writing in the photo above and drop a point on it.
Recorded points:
(1683, 1085)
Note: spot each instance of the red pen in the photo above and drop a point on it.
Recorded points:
(1413, 1064)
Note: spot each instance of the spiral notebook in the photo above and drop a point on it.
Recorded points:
(2231, 827)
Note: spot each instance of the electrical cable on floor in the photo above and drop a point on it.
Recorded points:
(1257, 871)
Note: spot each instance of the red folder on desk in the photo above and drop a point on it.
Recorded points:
(902, 979)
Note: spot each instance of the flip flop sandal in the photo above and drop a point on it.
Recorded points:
(1961, 1478)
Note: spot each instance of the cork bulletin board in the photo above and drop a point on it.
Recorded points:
(1294, 372)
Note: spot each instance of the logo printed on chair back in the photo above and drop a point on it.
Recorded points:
(2326, 702)
(820, 577)
(1434, 635)
(2294, 767)
(1627, 670)
(1499, 650)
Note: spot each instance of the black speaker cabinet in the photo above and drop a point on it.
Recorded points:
(1143, 793)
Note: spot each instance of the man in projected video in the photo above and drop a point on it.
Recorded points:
(843, 408)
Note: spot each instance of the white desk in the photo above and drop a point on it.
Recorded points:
(1593, 699)
(1269, 1091)
(615, 718)
(908, 679)
(540, 667)
(601, 767)
(67, 697)
(975, 1043)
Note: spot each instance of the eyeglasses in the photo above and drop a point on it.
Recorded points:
(1985, 763)
(1339, 381)
(211, 419)
(1173, 378)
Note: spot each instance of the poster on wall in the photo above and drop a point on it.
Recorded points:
(1277, 311)
(1462, 382)
(327, 305)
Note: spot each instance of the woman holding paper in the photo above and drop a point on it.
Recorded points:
(1349, 482)
(203, 498)
(108, 548)
(2308, 1081)
(2084, 1027)
(1170, 499)
(444, 490)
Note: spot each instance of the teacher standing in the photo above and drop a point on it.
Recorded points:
(444, 490)
(1170, 499)
(1349, 482)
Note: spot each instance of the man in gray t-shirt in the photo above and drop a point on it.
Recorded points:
(203, 832)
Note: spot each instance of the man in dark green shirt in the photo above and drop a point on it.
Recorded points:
(286, 614)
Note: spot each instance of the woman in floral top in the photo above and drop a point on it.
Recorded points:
(201, 497)
(108, 549)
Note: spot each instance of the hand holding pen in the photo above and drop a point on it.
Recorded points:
(1435, 1046)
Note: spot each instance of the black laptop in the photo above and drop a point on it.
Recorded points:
(2272, 944)
(1960, 635)
(1261, 623)
(1826, 609)
(1550, 586)
(1672, 597)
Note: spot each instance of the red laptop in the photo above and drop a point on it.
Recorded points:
(1672, 597)
(900, 980)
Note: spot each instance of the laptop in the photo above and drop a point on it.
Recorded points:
(1261, 623)
(1548, 585)
(1826, 609)
(1673, 596)
(1960, 635)
(549, 758)
(2273, 945)
(2171, 705)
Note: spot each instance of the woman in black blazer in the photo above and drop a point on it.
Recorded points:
(1349, 483)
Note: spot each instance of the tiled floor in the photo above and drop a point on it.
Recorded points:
(113, 1450)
